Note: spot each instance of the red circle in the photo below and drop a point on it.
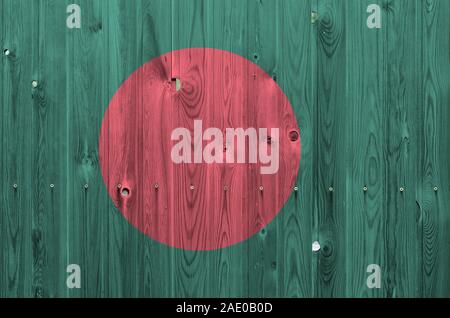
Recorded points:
(198, 206)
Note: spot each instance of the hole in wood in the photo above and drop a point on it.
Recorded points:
(177, 83)
(125, 192)
(293, 135)
(315, 246)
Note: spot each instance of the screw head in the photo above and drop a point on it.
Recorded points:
(34, 83)
(261, 188)
(402, 189)
(15, 185)
(315, 246)
(435, 189)
(365, 189)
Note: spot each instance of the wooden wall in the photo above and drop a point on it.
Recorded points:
(373, 107)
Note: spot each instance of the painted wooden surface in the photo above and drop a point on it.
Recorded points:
(372, 106)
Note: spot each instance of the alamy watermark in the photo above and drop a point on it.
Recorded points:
(262, 147)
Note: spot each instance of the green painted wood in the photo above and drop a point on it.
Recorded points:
(372, 107)
(20, 259)
(435, 154)
(293, 72)
(366, 189)
(404, 126)
(332, 146)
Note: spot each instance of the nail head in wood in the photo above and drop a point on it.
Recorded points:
(15, 185)
(52, 185)
(295, 188)
(6, 52)
(330, 189)
(402, 189)
(34, 84)
(86, 186)
(435, 189)
(365, 189)
(192, 187)
(261, 188)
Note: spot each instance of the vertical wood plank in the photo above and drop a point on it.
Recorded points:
(294, 74)
(159, 264)
(403, 259)
(20, 36)
(436, 152)
(263, 49)
(189, 25)
(50, 98)
(332, 135)
(366, 191)
(228, 274)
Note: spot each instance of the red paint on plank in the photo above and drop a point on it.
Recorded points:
(196, 206)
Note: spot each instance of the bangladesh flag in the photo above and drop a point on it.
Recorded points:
(224, 148)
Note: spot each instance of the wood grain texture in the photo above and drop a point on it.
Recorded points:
(403, 130)
(366, 92)
(293, 71)
(21, 259)
(372, 107)
(435, 153)
(331, 145)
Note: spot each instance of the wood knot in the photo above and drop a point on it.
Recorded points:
(293, 135)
